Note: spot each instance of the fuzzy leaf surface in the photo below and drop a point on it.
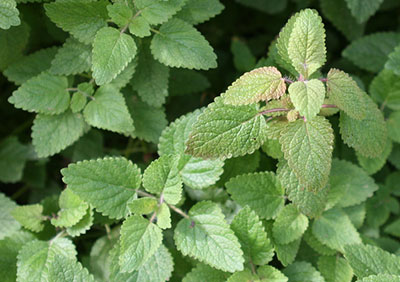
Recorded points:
(9, 14)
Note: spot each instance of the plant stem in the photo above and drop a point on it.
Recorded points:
(21, 191)
(288, 80)
(178, 211)
(155, 30)
(328, 106)
(273, 111)
(144, 194)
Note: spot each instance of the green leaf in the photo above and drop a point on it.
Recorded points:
(30, 216)
(72, 209)
(335, 269)
(52, 134)
(356, 214)
(8, 224)
(178, 82)
(112, 52)
(241, 165)
(139, 27)
(225, 131)
(9, 15)
(362, 10)
(120, 13)
(108, 184)
(164, 216)
(334, 229)
(162, 177)
(108, 111)
(371, 52)
(207, 237)
(302, 271)
(355, 185)
(123, 79)
(35, 258)
(196, 12)
(393, 62)
(72, 58)
(79, 98)
(198, 173)
(263, 194)
(252, 237)
(83, 225)
(368, 260)
(62, 270)
(13, 42)
(307, 97)
(344, 92)
(307, 146)
(316, 245)
(80, 18)
(393, 228)
(203, 272)
(287, 253)
(140, 239)
(243, 58)
(393, 126)
(384, 89)
(178, 44)
(143, 206)
(367, 136)
(151, 79)
(381, 278)
(306, 47)
(261, 84)
(45, 94)
(13, 156)
(157, 12)
(30, 66)
(289, 225)
(373, 165)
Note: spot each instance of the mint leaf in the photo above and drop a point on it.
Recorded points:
(196, 12)
(140, 239)
(263, 194)
(307, 97)
(108, 111)
(218, 246)
(178, 44)
(13, 156)
(13, 42)
(63, 270)
(202, 272)
(9, 15)
(393, 126)
(164, 216)
(224, 131)
(45, 94)
(261, 84)
(306, 47)
(198, 173)
(52, 134)
(120, 13)
(309, 145)
(178, 82)
(30, 216)
(316, 245)
(252, 237)
(112, 52)
(157, 12)
(384, 89)
(373, 165)
(381, 278)
(393, 62)
(335, 269)
(363, 10)
(302, 271)
(287, 253)
(243, 58)
(8, 224)
(82, 19)
(83, 224)
(143, 206)
(108, 184)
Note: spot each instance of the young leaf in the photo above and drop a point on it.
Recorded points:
(316, 245)
(363, 9)
(307, 97)
(81, 18)
(252, 237)
(112, 52)
(140, 239)
(52, 134)
(302, 271)
(9, 15)
(13, 156)
(178, 44)
(108, 184)
(143, 206)
(198, 173)
(108, 111)
(157, 12)
(203, 272)
(30, 216)
(207, 237)
(225, 131)
(196, 12)
(307, 147)
(83, 224)
(120, 13)
(335, 269)
(263, 194)
(306, 47)
(45, 94)
(261, 84)
(164, 216)
(8, 224)
(344, 92)
(289, 225)
(65, 270)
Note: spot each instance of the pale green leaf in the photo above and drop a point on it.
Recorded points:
(367, 136)
(139, 27)
(9, 14)
(198, 173)
(13, 156)
(45, 94)
(316, 245)
(178, 44)
(225, 131)
(206, 236)
(307, 146)
(157, 12)
(356, 214)
(164, 216)
(344, 92)
(289, 225)
(334, 229)
(30, 216)
(302, 271)
(36, 257)
(203, 272)
(393, 62)
(83, 225)
(381, 278)
(287, 253)
(261, 191)
(30, 66)
(143, 206)
(261, 84)
(8, 224)
(196, 12)
(335, 269)
(362, 10)
(368, 260)
(52, 134)
(81, 18)
(13, 42)
(108, 184)
(112, 52)
(307, 97)
(120, 13)
(393, 126)
(252, 237)
(371, 52)
(79, 98)
(108, 111)
(140, 239)
(306, 47)
(72, 58)
(64, 270)
(385, 90)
